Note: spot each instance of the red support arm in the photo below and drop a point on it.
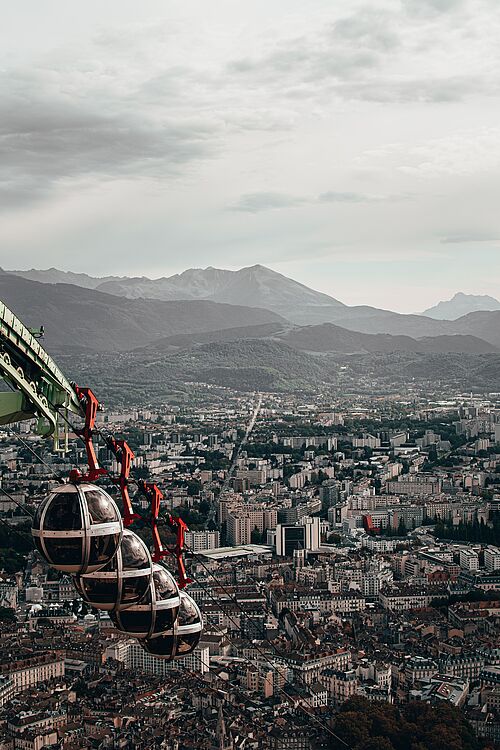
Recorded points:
(124, 455)
(91, 405)
(153, 493)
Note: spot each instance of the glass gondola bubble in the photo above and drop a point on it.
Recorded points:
(124, 581)
(77, 528)
(184, 636)
(156, 613)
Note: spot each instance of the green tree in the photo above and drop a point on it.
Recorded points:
(7, 614)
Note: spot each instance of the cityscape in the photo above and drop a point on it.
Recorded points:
(250, 375)
(344, 554)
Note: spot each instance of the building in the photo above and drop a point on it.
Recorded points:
(26, 673)
(131, 653)
(417, 668)
(402, 598)
(244, 519)
(201, 541)
(307, 667)
(492, 559)
(441, 688)
(469, 559)
(303, 535)
(340, 684)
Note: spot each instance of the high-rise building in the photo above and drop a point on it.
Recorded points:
(201, 541)
(303, 535)
(469, 560)
(492, 559)
(242, 520)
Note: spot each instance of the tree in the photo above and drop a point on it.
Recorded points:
(366, 725)
(402, 530)
(7, 614)
(255, 536)
(377, 743)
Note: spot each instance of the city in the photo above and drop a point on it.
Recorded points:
(338, 550)
(250, 375)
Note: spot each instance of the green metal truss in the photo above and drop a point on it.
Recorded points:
(40, 388)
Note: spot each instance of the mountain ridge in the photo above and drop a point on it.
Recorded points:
(326, 338)
(461, 304)
(258, 287)
(252, 286)
(78, 317)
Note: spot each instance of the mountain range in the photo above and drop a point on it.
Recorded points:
(258, 286)
(461, 304)
(85, 317)
(246, 329)
(255, 286)
(88, 319)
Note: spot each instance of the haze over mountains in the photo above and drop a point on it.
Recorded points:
(461, 304)
(205, 301)
(86, 318)
(280, 335)
(258, 286)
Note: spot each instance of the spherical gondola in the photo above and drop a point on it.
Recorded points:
(184, 636)
(156, 613)
(124, 581)
(77, 528)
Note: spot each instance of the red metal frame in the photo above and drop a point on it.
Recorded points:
(155, 496)
(91, 405)
(124, 455)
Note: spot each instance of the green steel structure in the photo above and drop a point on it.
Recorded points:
(39, 388)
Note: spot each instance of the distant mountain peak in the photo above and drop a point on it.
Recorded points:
(252, 286)
(462, 304)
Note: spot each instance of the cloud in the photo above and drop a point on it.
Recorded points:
(267, 201)
(437, 90)
(256, 202)
(333, 197)
(345, 49)
(468, 237)
(368, 28)
(414, 53)
(49, 138)
(459, 153)
(305, 62)
(431, 7)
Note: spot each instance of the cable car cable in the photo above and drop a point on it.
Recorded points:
(17, 502)
(248, 614)
(264, 655)
(245, 612)
(232, 620)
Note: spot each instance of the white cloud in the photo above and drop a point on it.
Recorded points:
(355, 130)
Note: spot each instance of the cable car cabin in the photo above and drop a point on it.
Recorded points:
(156, 613)
(124, 581)
(77, 528)
(184, 636)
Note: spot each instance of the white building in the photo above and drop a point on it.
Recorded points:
(134, 657)
(306, 534)
(492, 559)
(26, 673)
(201, 541)
(469, 559)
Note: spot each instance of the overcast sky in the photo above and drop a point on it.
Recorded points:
(352, 146)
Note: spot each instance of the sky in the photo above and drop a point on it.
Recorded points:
(353, 146)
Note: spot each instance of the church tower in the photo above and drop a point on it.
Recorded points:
(224, 741)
